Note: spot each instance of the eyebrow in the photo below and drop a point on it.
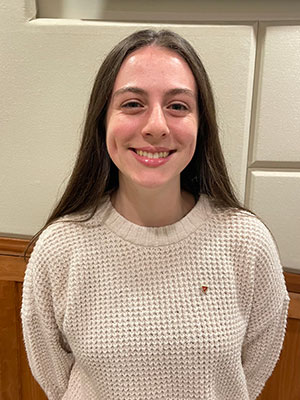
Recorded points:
(137, 90)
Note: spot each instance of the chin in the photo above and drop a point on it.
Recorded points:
(149, 184)
(152, 180)
(152, 183)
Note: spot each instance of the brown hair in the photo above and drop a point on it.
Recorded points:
(95, 175)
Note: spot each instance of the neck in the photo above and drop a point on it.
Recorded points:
(152, 207)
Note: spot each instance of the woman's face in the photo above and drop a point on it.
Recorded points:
(152, 118)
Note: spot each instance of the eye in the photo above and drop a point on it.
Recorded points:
(131, 104)
(178, 107)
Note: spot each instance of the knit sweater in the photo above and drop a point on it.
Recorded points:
(193, 310)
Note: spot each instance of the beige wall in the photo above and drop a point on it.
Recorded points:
(170, 10)
(47, 70)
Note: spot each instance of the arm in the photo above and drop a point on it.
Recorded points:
(48, 354)
(268, 317)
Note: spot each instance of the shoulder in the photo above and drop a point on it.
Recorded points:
(257, 253)
(49, 256)
(254, 228)
(66, 234)
(240, 222)
(254, 241)
(54, 242)
(246, 233)
(61, 241)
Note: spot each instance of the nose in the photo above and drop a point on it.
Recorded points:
(156, 125)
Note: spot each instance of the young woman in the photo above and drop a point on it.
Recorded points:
(150, 280)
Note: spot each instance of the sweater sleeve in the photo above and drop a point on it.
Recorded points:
(43, 302)
(267, 323)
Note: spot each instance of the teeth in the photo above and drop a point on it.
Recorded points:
(162, 154)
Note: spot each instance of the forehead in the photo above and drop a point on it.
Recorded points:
(153, 65)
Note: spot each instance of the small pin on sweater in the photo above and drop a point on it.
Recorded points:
(204, 289)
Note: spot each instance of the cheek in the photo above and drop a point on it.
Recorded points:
(121, 130)
(186, 134)
(192, 146)
(120, 134)
(111, 141)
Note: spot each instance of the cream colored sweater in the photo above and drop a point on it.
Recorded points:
(194, 310)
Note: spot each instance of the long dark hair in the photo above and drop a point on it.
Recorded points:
(94, 174)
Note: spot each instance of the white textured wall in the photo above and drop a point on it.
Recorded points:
(273, 189)
(170, 10)
(47, 70)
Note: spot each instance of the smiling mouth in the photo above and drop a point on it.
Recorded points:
(160, 154)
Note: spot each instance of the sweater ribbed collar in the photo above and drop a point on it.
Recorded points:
(156, 236)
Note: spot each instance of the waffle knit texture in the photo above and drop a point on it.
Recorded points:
(116, 311)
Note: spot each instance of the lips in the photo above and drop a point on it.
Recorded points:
(152, 157)
(162, 154)
(157, 152)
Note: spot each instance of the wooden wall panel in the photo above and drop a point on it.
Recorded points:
(284, 384)
(9, 349)
(17, 382)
